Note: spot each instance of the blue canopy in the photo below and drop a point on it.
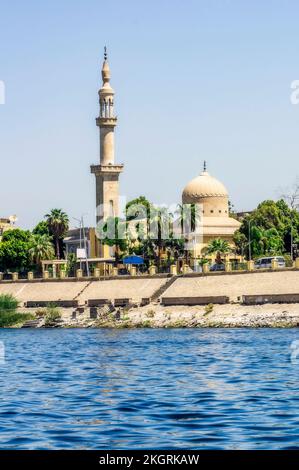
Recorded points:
(133, 259)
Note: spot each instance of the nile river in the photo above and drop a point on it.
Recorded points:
(149, 389)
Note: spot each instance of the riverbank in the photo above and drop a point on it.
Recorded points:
(157, 316)
(79, 303)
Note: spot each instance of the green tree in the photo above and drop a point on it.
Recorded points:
(116, 235)
(138, 207)
(270, 229)
(218, 246)
(41, 248)
(58, 223)
(41, 228)
(14, 250)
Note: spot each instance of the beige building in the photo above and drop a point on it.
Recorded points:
(214, 221)
(107, 171)
(6, 224)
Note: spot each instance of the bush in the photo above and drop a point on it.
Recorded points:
(8, 314)
(53, 314)
(40, 312)
(208, 309)
(288, 260)
(12, 318)
(150, 313)
(8, 302)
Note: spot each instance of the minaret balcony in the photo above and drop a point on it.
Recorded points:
(107, 169)
(106, 121)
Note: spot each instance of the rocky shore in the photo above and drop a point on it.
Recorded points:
(157, 316)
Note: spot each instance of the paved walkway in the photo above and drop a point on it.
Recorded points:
(234, 285)
(83, 290)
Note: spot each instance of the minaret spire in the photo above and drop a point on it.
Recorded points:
(105, 53)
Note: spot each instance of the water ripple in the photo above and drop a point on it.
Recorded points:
(134, 389)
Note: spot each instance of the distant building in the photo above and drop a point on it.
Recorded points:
(74, 240)
(5, 224)
(242, 215)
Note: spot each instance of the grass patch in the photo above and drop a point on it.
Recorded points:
(150, 313)
(208, 309)
(11, 318)
(41, 312)
(53, 315)
(8, 312)
(8, 302)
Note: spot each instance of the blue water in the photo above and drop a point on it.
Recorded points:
(132, 389)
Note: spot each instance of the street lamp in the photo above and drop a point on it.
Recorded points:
(82, 230)
(249, 239)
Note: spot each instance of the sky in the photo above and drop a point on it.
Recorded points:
(194, 80)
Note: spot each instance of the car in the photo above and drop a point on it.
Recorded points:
(266, 263)
(217, 267)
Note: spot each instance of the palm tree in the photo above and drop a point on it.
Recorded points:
(161, 222)
(219, 246)
(58, 223)
(41, 248)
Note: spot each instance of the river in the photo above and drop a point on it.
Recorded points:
(149, 389)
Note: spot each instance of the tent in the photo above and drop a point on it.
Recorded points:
(133, 259)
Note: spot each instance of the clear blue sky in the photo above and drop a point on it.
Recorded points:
(194, 80)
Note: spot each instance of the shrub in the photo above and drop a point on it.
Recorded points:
(150, 313)
(288, 260)
(12, 318)
(40, 312)
(209, 309)
(53, 314)
(8, 302)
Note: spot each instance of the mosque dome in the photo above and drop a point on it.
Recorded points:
(203, 186)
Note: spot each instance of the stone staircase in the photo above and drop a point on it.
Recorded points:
(159, 292)
(32, 323)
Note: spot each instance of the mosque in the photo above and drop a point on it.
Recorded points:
(204, 189)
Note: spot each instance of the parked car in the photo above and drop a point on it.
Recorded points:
(217, 267)
(264, 263)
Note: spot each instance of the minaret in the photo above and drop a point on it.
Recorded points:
(107, 172)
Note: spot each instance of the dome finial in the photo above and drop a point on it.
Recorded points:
(105, 68)
(204, 166)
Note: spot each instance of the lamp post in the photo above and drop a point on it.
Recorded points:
(292, 251)
(249, 239)
(82, 230)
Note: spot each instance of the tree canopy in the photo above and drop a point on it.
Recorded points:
(270, 228)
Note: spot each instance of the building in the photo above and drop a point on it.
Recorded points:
(204, 190)
(107, 171)
(74, 240)
(215, 221)
(6, 224)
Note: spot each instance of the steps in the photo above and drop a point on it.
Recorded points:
(31, 324)
(159, 292)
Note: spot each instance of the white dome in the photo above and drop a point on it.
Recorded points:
(203, 186)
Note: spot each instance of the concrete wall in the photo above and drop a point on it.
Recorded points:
(236, 285)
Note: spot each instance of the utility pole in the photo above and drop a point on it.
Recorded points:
(249, 239)
(292, 250)
(85, 247)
